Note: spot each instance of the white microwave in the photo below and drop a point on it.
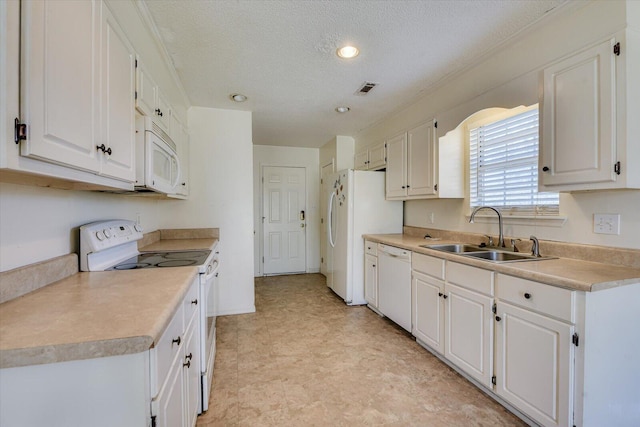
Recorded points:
(157, 163)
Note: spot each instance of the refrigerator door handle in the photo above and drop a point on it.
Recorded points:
(330, 217)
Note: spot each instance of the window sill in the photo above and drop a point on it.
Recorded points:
(542, 220)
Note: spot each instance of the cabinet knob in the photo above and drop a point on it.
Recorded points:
(527, 295)
(176, 341)
(440, 294)
(108, 151)
(404, 186)
(545, 169)
(184, 184)
(498, 318)
(445, 296)
(374, 266)
(195, 301)
(408, 186)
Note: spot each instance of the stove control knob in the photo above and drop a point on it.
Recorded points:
(107, 233)
(138, 228)
(100, 235)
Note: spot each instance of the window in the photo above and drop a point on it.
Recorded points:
(503, 166)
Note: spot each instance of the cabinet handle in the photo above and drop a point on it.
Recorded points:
(108, 151)
(440, 294)
(195, 301)
(188, 364)
(176, 341)
(101, 147)
(189, 356)
(545, 169)
(445, 296)
(527, 295)
(184, 184)
(498, 318)
(408, 186)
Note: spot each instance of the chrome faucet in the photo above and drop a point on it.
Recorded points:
(535, 247)
(501, 236)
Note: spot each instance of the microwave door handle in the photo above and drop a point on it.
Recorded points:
(174, 184)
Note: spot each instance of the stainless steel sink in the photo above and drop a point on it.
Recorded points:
(485, 253)
(499, 256)
(455, 248)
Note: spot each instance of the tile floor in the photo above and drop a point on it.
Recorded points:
(306, 359)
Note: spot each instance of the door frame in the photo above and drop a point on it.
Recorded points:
(261, 216)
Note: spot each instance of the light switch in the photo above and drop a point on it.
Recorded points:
(606, 223)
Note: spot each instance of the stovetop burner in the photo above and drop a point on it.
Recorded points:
(163, 259)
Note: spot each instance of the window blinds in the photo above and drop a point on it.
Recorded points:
(503, 166)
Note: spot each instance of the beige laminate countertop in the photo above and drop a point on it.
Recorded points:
(563, 272)
(95, 314)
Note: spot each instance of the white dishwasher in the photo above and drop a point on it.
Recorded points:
(394, 284)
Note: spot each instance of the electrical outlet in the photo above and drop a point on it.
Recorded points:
(432, 218)
(606, 223)
(138, 218)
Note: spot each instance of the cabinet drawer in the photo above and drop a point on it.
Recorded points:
(167, 347)
(370, 248)
(545, 299)
(473, 278)
(191, 302)
(428, 265)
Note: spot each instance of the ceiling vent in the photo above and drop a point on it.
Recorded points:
(366, 88)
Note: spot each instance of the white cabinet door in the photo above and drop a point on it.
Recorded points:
(361, 160)
(163, 112)
(428, 311)
(371, 280)
(534, 364)
(469, 332)
(118, 88)
(145, 90)
(578, 144)
(171, 401)
(377, 156)
(60, 85)
(192, 373)
(396, 176)
(421, 160)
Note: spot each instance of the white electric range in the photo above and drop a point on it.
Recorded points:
(112, 245)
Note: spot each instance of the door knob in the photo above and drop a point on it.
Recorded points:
(302, 225)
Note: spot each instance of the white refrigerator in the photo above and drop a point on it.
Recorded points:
(356, 206)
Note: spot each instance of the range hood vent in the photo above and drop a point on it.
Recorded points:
(366, 88)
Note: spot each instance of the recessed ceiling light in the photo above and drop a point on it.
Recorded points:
(347, 52)
(342, 109)
(238, 97)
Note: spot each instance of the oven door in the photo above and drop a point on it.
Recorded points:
(208, 282)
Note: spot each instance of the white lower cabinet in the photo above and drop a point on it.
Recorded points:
(469, 332)
(428, 310)
(534, 364)
(371, 280)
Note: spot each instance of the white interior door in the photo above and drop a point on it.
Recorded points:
(284, 220)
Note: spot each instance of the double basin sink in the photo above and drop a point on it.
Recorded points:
(485, 253)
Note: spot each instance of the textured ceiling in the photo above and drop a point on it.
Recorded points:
(281, 54)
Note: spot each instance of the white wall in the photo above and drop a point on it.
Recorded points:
(222, 196)
(507, 79)
(264, 155)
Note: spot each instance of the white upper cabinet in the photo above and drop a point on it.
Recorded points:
(373, 158)
(60, 82)
(118, 88)
(77, 88)
(396, 176)
(150, 100)
(411, 164)
(587, 110)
